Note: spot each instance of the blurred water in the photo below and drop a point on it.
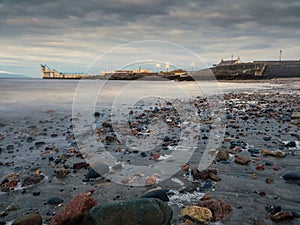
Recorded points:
(17, 95)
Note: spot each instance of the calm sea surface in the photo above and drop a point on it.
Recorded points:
(17, 95)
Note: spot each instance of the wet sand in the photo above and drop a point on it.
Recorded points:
(42, 142)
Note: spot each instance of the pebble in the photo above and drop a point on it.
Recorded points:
(292, 177)
(241, 160)
(55, 201)
(33, 179)
(201, 214)
(219, 208)
(276, 153)
(282, 216)
(62, 173)
(159, 194)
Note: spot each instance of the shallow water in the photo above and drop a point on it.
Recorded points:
(17, 94)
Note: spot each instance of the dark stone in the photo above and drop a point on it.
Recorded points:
(30, 219)
(77, 166)
(159, 194)
(266, 138)
(97, 171)
(92, 174)
(30, 139)
(10, 147)
(253, 151)
(132, 212)
(96, 114)
(292, 177)
(167, 138)
(291, 144)
(55, 201)
(272, 209)
(208, 184)
(39, 144)
(143, 154)
(36, 193)
(33, 179)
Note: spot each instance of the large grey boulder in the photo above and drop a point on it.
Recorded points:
(141, 211)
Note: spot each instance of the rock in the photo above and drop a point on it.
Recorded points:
(132, 212)
(10, 147)
(97, 171)
(62, 173)
(159, 194)
(242, 160)
(214, 177)
(74, 211)
(105, 124)
(151, 180)
(96, 114)
(54, 201)
(292, 177)
(33, 179)
(201, 214)
(30, 219)
(110, 139)
(6, 183)
(269, 180)
(291, 144)
(295, 115)
(39, 144)
(36, 193)
(223, 154)
(282, 216)
(267, 138)
(77, 166)
(12, 207)
(273, 209)
(276, 153)
(260, 167)
(219, 208)
(188, 222)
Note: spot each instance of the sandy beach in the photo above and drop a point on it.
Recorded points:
(48, 146)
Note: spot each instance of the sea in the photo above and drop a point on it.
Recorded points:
(17, 95)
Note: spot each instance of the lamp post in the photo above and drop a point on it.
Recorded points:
(157, 67)
(280, 53)
(167, 67)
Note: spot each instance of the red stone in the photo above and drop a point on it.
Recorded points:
(219, 208)
(260, 167)
(75, 211)
(282, 216)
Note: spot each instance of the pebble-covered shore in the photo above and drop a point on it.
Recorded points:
(254, 179)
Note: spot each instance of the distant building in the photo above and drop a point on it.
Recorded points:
(229, 62)
(54, 74)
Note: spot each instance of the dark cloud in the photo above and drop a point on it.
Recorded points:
(201, 25)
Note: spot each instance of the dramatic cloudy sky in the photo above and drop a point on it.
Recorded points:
(70, 35)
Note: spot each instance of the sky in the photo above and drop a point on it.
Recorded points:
(96, 35)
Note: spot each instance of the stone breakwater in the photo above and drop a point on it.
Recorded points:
(254, 178)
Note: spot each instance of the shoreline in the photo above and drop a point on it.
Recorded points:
(257, 120)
